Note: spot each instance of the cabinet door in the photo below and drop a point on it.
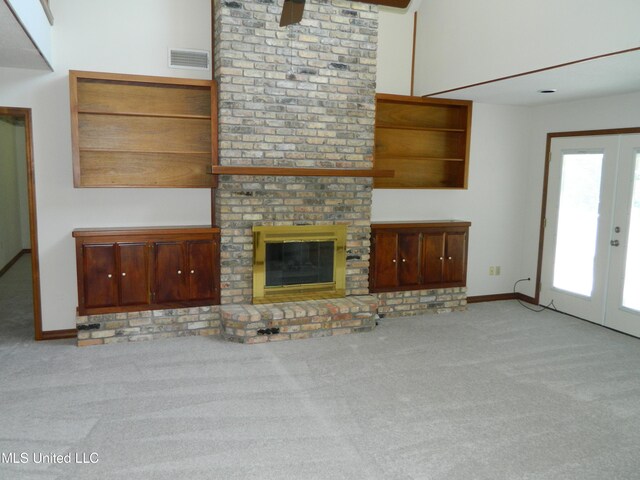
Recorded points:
(433, 258)
(201, 255)
(385, 260)
(133, 273)
(455, 261)
(170, 274)
(408, 259)
(100, 281)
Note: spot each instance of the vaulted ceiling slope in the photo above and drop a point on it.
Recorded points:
(17, 47)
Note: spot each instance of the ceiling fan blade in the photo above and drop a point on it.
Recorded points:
(291, 12)
(388, 3)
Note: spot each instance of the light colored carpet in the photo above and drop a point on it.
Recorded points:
(497, 392)
(16, 304)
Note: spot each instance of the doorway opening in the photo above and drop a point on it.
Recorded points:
(590, 227)
(19, 242)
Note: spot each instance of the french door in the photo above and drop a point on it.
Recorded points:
(591, 258)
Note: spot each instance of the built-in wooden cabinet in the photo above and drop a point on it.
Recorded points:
(142, 131)
(425, 141)
(418, 255)
(115, 274)
(131, 269)
(181, 270)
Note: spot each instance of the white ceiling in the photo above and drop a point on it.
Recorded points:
(16, 48)
(610, 75)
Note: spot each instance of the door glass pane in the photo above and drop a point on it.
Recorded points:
(577, 222)
(631, 295)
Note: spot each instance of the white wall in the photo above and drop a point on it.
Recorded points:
(115, 36)
(462, 42)
(10, 226)
(595, 114)
(395, 47)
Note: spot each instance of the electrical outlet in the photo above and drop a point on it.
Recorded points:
(498, 270)
(492, 271)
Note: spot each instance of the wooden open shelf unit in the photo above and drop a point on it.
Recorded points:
(142, 131)
(424, 140)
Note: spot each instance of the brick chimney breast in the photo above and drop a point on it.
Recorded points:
(296, 96)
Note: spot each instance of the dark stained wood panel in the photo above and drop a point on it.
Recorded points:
(407, 115)
(100, 277)
(144, 134)
(409, 259)
(419, 172)
(419, 143)
(134, 169)
(455, 257)
(433, 244)
(170, 272)
(385, 260)
(133, 274)
(142, 99)
(201, 256)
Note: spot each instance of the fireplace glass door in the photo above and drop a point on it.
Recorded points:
(298, 263)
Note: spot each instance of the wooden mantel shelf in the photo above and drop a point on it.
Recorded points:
(300, 172)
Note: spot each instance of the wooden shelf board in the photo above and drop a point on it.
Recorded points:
(128, 79)
(150, 115)
(171, 152)
(300, 172)
(422, 129)
(392, 224)
(412, 157)
(162, 230)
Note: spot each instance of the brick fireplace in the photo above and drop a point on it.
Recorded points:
(297, 96)
(301, 96)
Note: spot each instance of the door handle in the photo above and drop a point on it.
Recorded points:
(614, 243)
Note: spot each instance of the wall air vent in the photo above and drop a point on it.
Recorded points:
(191, 59)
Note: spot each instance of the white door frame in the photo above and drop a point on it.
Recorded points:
(550, 137)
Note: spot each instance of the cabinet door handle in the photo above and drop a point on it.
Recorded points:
(124, 274)
(404, 260)
(109, 276)
(192, 272)
(394, 260)
(450, 258)
(441, 258)
(179, 272)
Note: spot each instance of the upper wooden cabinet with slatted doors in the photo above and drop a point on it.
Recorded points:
(142, 131)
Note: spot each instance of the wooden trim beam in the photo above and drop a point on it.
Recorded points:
(413, 51)
(500, 297)
(59, 334)
(523, 74)
(300, 172)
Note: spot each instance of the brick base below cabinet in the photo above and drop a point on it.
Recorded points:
(147, 325)
(417, 302)
(269, 322)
